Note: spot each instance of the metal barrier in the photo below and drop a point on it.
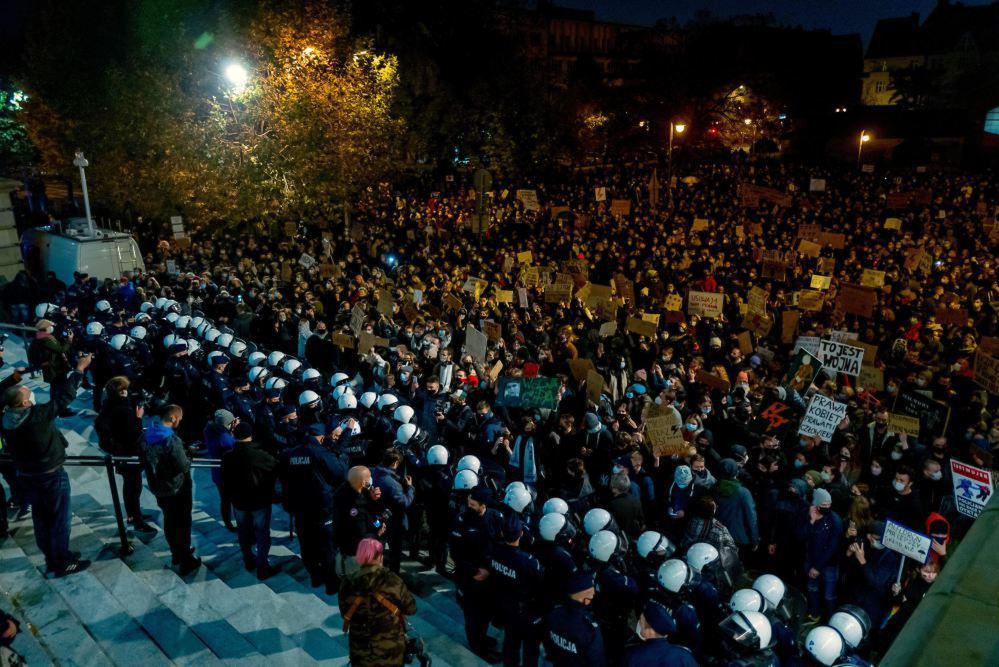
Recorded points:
(110, 463)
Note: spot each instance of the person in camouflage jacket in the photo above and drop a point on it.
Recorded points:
(374, 603)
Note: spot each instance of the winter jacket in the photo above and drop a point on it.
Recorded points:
(822, 539)
(32, 438)
(395, 496)
(377, 637)
(218, 441)
(248, 473)
(737, 511)
(118, 428)
(165, 461)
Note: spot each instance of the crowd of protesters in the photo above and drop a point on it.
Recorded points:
(335, 372)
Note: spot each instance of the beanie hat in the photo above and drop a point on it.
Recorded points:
(242, 431)
(820, 496)
(683, 476)
(729, 469)
(592, 422)
(223, 418)
(815, 476)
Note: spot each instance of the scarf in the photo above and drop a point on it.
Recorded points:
(522, 459)
(445, 375)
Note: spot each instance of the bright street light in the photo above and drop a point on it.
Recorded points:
(680, 127)
(237, 75)
(864, 138)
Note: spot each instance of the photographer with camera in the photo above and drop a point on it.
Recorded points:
(119, 432)
(374, 603)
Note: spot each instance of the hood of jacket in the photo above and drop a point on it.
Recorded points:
(727, 487)
(14, 417)
(158, 433)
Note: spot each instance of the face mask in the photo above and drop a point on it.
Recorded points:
(638, 630)
(825, 476)
(895, 456)
(31, 397)
(799, 464)
(824, 510)
(706, 411)
(629, 395)
(898, 486)
(892, 389)
(875, 470)
(920, 382)
(803, 443)
(691, 427)
(936, 476)
(700, 473)
(623, 365)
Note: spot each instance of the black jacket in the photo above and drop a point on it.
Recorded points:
(355, 517)
(119, 430)
(32, 438)
(248, 473)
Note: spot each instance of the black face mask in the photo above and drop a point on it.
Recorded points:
(824, 510)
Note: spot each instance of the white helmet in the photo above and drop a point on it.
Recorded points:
(674, 574)
(274, 358)
(142, 318)
(403, 414)
(224, 340)
(748, 628)
(119, 341)
(212, 335)
(196, 322)
(771, 588)
(192, 345)
(466, 479)
(556, 505)
(551, 525)
(368, 399)
(747, 599)
(386, 401)
(237, 349)
(310, 374)
(437, 456)
(515, 485)
(825, 644)
(275, 383)
(603, 545)
(170, 339)
(258, 372)
(517, 499)
(341, 391)
(203, 329)
(701, 554)
(291, 365)
(183, 322)
(217, 358)
(138, 332)
(596, 520)
(347, 402)
(171, 317)
(339, 379)
(469, 462)
(47, 309)
(160, 302)
(256, 358)
(655, 542)
(308, 399)
(172, 306)
(405, 433)
(102, 306)
(95, 329)
(145, 307)
(852, 623)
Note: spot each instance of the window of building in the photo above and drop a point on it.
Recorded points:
(881, 86)
(992, 121)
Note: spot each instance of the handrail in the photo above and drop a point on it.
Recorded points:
(109, 463)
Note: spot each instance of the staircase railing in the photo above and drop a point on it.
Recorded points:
(110, 463)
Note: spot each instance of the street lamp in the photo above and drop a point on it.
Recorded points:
(864, 138)
(237, 75)
(677, 128)
(81, 162)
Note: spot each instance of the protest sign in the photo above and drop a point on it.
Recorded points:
(651, 317)
(713, 381)
(525, 257)
(307, 260)
(540, 393)
(986, 371)
(641, 327)
(493, 330)
(826, 266)
(290, 228)
(870, 378)
(674, 302)
(451, 302)
(856, 300)
(906, 541)
(870, 352)
(893, 223)
(580, 368)
(504, 296)
(600, 194)
(557, 293)
(625, 288)
(759, 323)
(821, 282)
(357, 317)
(608, 329)
(810, 300)
(410, 312)
(757, 299)
(706, 304)
(594, 385)
(872, 278)
(972, 487)
(366, 341)
(933, 415)
(171, 266)
(664, 435)
(840, 357)
(342, 340)
(774, 419)
(522, 297)
(802, 371)
(620, 207)
(822, 417)
(808, 343)
(700, 225)
(475, 343)
(530, 199)
(833, 240)
(495, 371)
(809, 231)
(789, 326)
(474, 286)
(809, 248)
(841, 336)
(746, 342)
(898, 423)
(509, 392)
(816, 185)
(385, 303)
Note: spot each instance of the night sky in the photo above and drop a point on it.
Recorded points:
(840, 16)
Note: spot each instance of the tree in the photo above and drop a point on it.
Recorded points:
(914, 86)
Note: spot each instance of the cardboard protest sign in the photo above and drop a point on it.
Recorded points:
(856, 300)
(822, 417)
(700, 225)
(525, 257)
(600, 194)
(810, 300)
(826, 266)
(948, 316)
(872, 278)
(410, 312)
(740, 232)
(474, 286)
(594, 385)
(972, 487)
(664, 435)
(774, 419)
(504, 296)
(641, 327)
(802, 371)
(840, 357)
(357, 318)
(821, 282)
(451, 302)
(816, 185)
(871, 378)
(898, 423)
(558, 292)
(475, 343)
(651, 317)
(580, 368)
(674, 302)
(789, 326)
(809, 231)
(833, 240)
(608, 329)
(706, 304)
(986, 371)
(870, 352)
(757, 299)
(307, 260)
(625, 288)
(933, 415)
(906, 541)
(522, 297)
(493, 330)
(342, 340)
(809, 248)
(810, 344)
(759, 323)
(530, 199)
(893, 223)
(713, 381)
(620, 207)
(495, 371)
(366, 341)
(385, 303)
(746, 342)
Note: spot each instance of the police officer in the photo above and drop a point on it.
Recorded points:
(265, 418)
(652, 548)
(553, 550)
(287, 431)
(747, 640)
(434, 482)
(617, 593)
(309, 474)
(785, 640)
(516, 577)
(472, 537)
(675, 579)
(572, 638)
(217, 381)
(241, 402)
(653, 648)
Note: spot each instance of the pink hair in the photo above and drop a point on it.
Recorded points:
(368, 550)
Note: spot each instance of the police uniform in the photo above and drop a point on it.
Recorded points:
(217, 388)
(515, 578)
(688, 623)
(559, 566)
(435, 482)
(572, 638)
(617, 596)
(472, 540)
(658, 653)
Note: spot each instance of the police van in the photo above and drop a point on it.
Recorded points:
(69, 247)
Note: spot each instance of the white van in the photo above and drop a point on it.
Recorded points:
(68, 247)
